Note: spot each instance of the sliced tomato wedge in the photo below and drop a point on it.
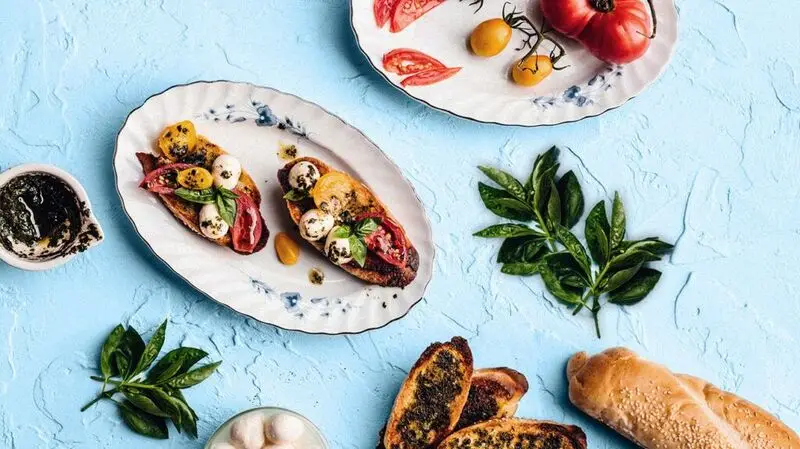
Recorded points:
(162, 179)
(429, 77)
(405, 61)
(407, 11)
(388, 241)
(248, 226)
(383, 11)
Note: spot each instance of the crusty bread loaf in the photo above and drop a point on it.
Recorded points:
(656, 409)
(494, 393)
(517, 434)
(431, 398)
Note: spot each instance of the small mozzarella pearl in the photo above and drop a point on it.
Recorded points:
(248, 432)
(284, 428)
(223, 446)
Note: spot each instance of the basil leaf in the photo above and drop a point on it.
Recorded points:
(520, 269)
(636, 289)
(651, 244)
(122, 361)
(574, 247)
(569, 190)
(367, 226)
(553, 207)
(227, 209)
(541, 196)
(177, 361)
(563, 265)
(142, 423)
(341, 232)
(144, 403)
(503, 204)
(505, 181)
(169, 405)
(596, 232)
(296, 195)
(133, 345)
(358, 250)
(543, 162)
(566, 294)
(194, 377)
(526, 249)
(188, 418)
(630, 258)
(506, 230)
(196, 196)
(107, 368)
(617, 233)
(620, 277)
(152, 349)
(227, 193)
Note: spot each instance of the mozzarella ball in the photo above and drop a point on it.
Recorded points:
(247, 432)
(338, 250)
(223, 446)
(284, 428)
(226, 171)
(315, 224)
(211, 223)
(303, 175)
(279, 446)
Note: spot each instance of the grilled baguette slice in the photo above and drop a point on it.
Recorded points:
(516, 433)
(189, 213)
(375, 271)
(431, 398)
(494, 393)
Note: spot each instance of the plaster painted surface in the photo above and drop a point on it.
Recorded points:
(708, 157)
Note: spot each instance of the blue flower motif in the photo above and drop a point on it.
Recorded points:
(571, 93)
(290, 300)
(265, 116)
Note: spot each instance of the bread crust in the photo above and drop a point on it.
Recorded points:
(509, 433)
(654, 408)
(375, 271)
(494, 393)
(189, 213)
(431, 398)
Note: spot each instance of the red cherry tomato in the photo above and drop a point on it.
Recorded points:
(429, 77)
(616, 31)
(405, 61)
(163, 179)
(383, 11)
(248, 225)
(388, 242)
(407, 11)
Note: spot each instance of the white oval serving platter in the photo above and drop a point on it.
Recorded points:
(482, 91)
(251, 122)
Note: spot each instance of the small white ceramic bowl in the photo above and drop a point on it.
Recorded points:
(46, 264)
(221, 434)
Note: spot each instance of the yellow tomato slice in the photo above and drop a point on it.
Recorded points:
(333, 191)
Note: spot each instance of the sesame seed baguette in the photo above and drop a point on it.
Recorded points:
(656, 409)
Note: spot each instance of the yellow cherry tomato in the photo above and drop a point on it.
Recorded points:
(490, 37)
(178, 140)
(532, 70)
(195, 178)
(333, 191)
(287, 249)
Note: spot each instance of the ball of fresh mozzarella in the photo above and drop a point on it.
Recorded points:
(226, 171)
(315, 224)
(338, 250)
(247, 432)
(211, 223)
(279, 446)
(223, 446)
(303, 175)
(284, 428)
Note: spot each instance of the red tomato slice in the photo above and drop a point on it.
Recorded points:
(429, 77)
(405, 61)
(407, 11)
(383, 11)
(247, 227)
(388, 241)
(160, 181)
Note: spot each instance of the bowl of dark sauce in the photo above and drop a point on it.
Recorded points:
(45, 217)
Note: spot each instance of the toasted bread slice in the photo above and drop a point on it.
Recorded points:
(431, 398)
(494, 393)
(189, 213)
(517, 433)
(375, 271)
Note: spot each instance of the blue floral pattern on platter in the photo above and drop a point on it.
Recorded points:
(585, 94)
(299, 307)
(257, 111)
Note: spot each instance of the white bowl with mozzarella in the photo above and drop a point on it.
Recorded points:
(267, 428)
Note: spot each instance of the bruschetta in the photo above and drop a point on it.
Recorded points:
(205, 188)
(516, 433)
(494, 393)
(344, 220)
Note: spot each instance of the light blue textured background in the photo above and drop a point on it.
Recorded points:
(707, 157)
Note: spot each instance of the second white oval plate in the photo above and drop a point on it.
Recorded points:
(251, 123)
(482, 90)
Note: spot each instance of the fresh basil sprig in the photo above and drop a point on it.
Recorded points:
(612, 266)
(224, 199)
(356, 235)
(206, 196)
(150, 398)
(296, 195)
